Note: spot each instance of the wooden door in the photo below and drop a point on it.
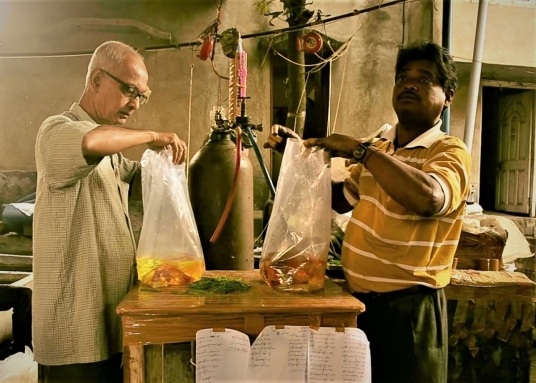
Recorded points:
(514, 160)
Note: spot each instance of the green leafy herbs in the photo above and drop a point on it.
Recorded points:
(334, 262)
(206, 285)
(218, 285)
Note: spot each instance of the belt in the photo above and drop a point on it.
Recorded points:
(394, 294)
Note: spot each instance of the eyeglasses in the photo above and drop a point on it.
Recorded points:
(129, 90)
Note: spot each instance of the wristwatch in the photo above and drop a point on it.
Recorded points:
(360, 151)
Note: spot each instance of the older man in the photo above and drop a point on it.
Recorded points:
(408, 194)
(84, 249)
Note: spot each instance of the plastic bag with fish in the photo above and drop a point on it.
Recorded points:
(295, 250)
(169, 252)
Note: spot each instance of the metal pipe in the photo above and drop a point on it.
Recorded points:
(447, 43)
(476, 70)
(271, 32)
(261, 161)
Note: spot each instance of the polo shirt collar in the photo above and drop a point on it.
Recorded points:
(424, 140)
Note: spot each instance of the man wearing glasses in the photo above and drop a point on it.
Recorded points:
(84, 249)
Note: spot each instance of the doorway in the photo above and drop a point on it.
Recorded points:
(507, 152)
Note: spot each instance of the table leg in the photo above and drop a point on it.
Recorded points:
(133, 364)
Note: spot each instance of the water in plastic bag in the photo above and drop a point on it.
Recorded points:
(169, 251)
(295, 250)
(19, 368)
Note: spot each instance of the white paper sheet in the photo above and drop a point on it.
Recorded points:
(279, 355)
(294, 354)
(221, 357)
(338, 356)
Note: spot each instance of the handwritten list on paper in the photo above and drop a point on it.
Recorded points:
(293, 354)
(279, 355)
(338, 356)
(221, 357)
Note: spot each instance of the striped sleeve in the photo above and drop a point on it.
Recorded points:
(450, 165)
(351, 185)
(59, 145)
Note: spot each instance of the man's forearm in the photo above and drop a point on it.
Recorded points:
(410, 187)
(108, 140)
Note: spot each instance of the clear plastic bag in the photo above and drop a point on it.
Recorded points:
(295, 251)
(169, 251)
(19, 368)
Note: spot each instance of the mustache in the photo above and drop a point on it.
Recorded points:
(408, 94)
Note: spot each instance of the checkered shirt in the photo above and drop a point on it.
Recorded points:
(83, 246)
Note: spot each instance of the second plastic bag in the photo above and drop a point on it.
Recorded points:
(295, 251)
(169, 252)
(19, 368)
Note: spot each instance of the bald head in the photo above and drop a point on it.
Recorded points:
(111, 56)
(116, 83)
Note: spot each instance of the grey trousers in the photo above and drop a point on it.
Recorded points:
(407, 331)
(107, 371)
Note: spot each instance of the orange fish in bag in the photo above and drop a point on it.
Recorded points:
(295, 251)
(169, 251)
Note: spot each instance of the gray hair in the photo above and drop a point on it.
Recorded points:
(108, 56)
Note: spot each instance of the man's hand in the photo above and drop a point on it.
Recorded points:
(338, 144)
(164, 139)
(277, 140)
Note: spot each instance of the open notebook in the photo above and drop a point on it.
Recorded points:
(293, 354)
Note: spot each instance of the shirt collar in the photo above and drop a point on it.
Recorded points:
(80, 113)
(424, 140)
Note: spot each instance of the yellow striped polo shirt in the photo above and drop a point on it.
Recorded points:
(388, 247)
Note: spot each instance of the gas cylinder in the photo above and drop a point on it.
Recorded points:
(210, 180)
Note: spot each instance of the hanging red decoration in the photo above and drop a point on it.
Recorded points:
(206, 48)
(310, 43)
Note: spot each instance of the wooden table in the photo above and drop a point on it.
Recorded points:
(170, 315)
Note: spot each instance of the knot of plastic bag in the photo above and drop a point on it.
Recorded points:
(150, 154)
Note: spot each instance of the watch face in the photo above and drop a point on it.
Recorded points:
(359, 152)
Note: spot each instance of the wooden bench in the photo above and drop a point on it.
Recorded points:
(15, 244)
(12, 262)
(491, 318)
